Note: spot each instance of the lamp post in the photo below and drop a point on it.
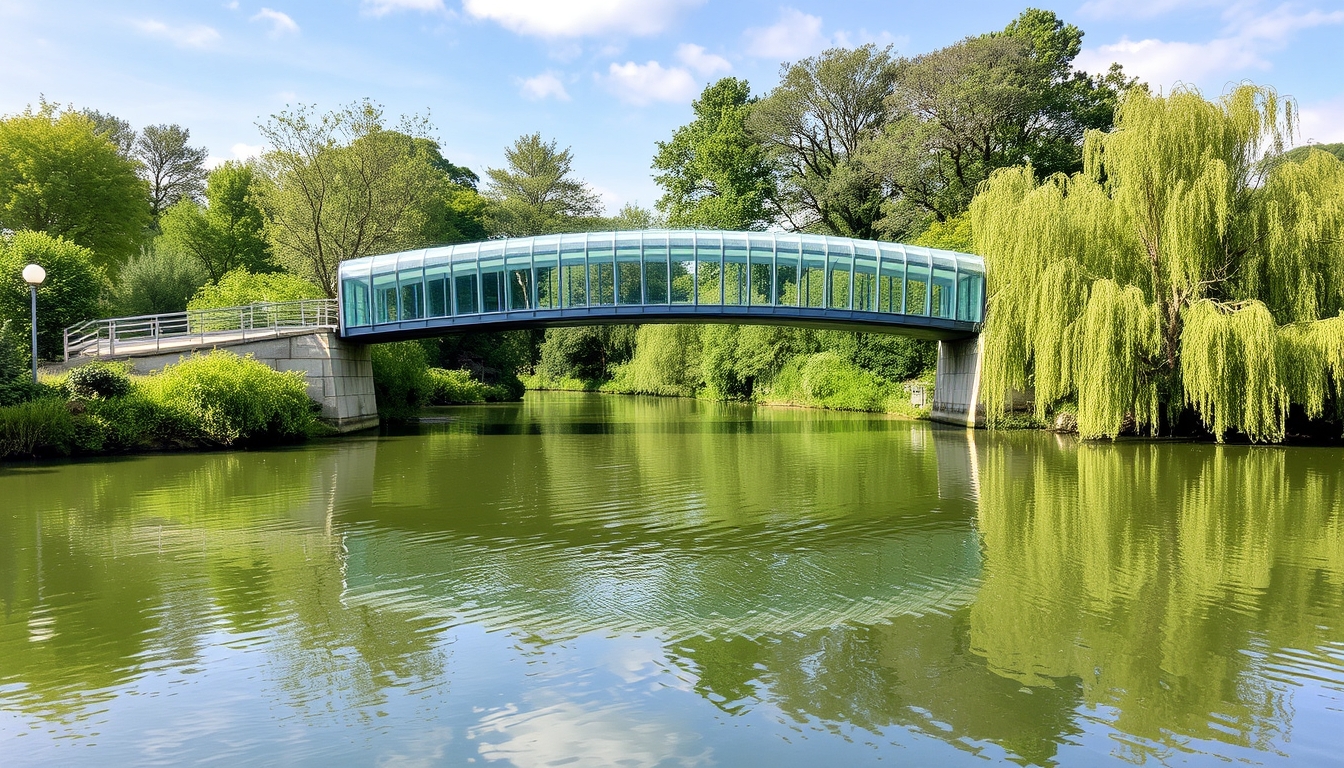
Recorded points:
(33, 275)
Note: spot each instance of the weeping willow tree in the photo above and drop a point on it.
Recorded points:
(1180, 269)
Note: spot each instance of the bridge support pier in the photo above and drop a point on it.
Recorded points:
(339, 374)
(956, 386)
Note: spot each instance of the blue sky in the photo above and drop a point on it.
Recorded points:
(605, 77)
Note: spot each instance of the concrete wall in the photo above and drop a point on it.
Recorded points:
(956, 386)
(339, 374)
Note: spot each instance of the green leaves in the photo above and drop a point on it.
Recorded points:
(537, 193)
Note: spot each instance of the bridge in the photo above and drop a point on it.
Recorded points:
(652, 276)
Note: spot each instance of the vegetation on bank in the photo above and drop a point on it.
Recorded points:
(218, 400)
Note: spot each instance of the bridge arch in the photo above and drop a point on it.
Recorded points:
(659, 276)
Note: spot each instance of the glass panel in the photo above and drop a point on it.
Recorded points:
(891, 280)
(573, 272)
(840, 264)
(865, 278)
(812, 279)
(412, 283)
(385, 298)
(944, 287)
(356, 300)
(464, 287)
(786, 268)
(655, 269)
(545, 255)
(628, 272)
(708, 251)
(437, 301)
(518, 259)
(916, 283)
(735, 270)
(492, 277)
(601, 282)
(762, 275)
(682, 254)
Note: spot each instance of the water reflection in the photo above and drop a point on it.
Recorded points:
(672, 582)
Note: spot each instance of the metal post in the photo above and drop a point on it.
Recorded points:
(32, 289)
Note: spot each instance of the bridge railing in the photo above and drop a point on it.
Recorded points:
(150, 333)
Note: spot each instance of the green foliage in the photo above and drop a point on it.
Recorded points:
(492, 358)
(58, 175)
(98, 380)
(586, 352)
(41, 427)
(815, 125)
(342, 185)
(127, 423)
(161, 279)
(224, 399)
(828, 380)
(228, 232)
(174, 170)
(1300, 154)
(714, 173)
(1175, 270)
(666, 362)
(537, 193)
(68, 296)
(954, 234)
(401, 382)
(240, 288)
(459, 388)
(15, 373)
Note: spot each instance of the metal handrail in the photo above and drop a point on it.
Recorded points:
(146, 333)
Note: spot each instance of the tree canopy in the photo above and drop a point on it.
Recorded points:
(537, 192)
(68, 296)
(1176, 270)
(60, 176)
(229, 231)
(175, 170)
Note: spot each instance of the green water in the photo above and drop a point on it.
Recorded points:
(598, 581)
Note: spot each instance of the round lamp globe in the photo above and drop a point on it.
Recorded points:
(34, 274)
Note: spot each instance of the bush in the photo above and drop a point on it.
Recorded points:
(401, 379)
(225, 399)
(827, 380)
(240, 288)
(42, 427)
(126, 423)
(98, 380)
(161, 279)
(458, 387)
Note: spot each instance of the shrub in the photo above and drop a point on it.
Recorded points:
(458, 387)
(161, 279)
(400, 379)
(125, 424)
(42, 427)
(225, 399)
(98, 380)
(828, 380)
(240, 288)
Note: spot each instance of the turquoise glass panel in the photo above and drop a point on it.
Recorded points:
(787, 261)
(761, 275)
(681, 251)
(840, 263)
(865, 278)
(736, 275)
(891, 281)
(708, 253)
(655, 269)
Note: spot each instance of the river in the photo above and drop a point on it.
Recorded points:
(604, 580)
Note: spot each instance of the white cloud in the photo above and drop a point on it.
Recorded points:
(543, 86)
(1245, 41)
(559, 733)
(185, 36)
(577, 18)
(796, 34)
(703, 62)
(642, 84)
(281, 23)
(384, 7)
(241, 151)
(1322, 122)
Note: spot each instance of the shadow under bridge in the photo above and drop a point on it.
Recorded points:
(663, 276)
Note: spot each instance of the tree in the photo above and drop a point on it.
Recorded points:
(815, 124)
(342, 186)
(174, 170)
(115, 130)
(715, 173)
(59, 176)
(1176, 270)
(537, 192)
(160, 279)
(229, 231)
(456, 214)
(987, 102)
(68, 296)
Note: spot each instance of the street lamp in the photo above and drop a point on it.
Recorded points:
(33, 275)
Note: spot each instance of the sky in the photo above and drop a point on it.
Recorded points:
(607, 78)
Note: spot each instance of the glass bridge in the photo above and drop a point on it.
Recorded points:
(663, 276)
